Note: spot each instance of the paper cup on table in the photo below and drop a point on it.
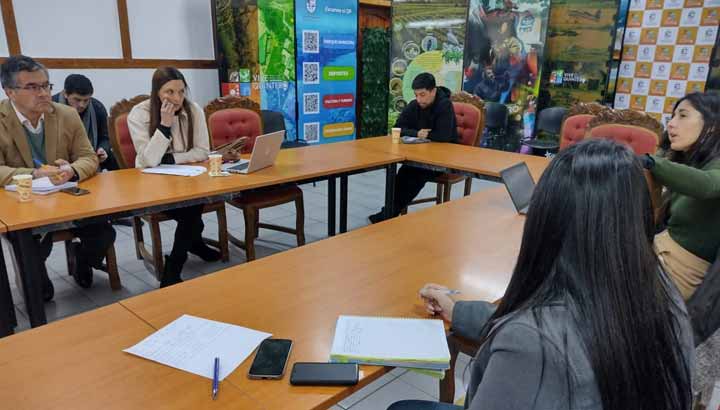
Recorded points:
(396, 135)
(215, 164)
(24, 187)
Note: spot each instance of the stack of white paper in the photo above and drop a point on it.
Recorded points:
(191, 344)
(43, 186)
(179, 170)
(399, 342)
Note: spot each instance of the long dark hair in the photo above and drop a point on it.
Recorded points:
(161, 76)
(587, 243)
(707, 147)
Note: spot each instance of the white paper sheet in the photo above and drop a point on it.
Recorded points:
(179, 170)
(191, 344)
(43, 186)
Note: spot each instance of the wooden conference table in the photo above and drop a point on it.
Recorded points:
(297, 294)
(456, 158)
(125, 193)
(129, 192)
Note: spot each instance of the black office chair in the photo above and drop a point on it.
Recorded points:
(496, 122)
(272, 121)
(549, 121)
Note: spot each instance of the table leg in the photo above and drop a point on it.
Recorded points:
(28, 263)
(343, 203)
(8, 321)
(331, 206)
(390, 174)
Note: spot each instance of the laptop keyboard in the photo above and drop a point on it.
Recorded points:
(239, 167)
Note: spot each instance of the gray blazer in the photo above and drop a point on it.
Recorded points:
(704, 304)
(523, 366)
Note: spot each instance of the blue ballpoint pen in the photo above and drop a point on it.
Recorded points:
(216, 378)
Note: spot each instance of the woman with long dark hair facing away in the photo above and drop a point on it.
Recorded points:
(170, 129)
(690, 170)
(589, 320)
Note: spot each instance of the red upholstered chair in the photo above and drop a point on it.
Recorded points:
(122, 143)
(230, 123)
(575, 126)
(230, 118)
(638, 130)
(470, 122)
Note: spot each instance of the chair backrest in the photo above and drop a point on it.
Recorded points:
(551, 119)
(496, 115)
(575, 126)
(639, 130)
(469, 116)
(119, 132)
(232, 117)
(272, 121)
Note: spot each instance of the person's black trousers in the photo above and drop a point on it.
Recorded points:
(408, 184)
(95, 239)
(188, 232)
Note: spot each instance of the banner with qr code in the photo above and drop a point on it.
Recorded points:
(326, 32)
(426, 37)
(257, 54)
(666, 54)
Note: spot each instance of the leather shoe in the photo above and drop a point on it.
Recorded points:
(205, 252)
(171, 273)
(378, 217)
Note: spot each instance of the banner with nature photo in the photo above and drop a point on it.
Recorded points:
(580, 37)
(503, 56)
(256, 43)
(426, 37)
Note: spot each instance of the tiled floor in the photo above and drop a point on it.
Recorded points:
(366, 196)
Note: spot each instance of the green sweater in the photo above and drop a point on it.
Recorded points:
(694, 221)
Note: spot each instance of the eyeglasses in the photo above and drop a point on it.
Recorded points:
(36, 88)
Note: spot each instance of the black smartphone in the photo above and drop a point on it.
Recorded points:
(75, 191)
(270, 359)
(324, 374)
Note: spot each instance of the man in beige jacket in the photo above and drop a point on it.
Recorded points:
(42, 138)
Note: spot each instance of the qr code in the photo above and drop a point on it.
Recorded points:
(311, 73)
(311, 41)
(311, 103)
(312, 131)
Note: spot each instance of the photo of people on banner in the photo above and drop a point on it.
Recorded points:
(503, 55)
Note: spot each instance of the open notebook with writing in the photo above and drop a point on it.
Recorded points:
(399, 342)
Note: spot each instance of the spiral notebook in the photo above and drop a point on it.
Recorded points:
(398, 342)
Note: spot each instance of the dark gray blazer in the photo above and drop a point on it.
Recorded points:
(523, 366)
(704, 304)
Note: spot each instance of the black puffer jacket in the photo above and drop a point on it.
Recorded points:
(438, 117)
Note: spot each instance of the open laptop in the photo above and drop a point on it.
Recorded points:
(263, 154)
(520, 186)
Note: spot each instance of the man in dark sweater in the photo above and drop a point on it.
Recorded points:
(429, 116)
(77, 93)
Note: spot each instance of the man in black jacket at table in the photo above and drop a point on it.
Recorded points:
(429, 116)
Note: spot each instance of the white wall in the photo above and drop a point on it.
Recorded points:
(159, 29)
(173, 29)
(68, 28)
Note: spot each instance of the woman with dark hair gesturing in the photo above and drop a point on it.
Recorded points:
(690, 170)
